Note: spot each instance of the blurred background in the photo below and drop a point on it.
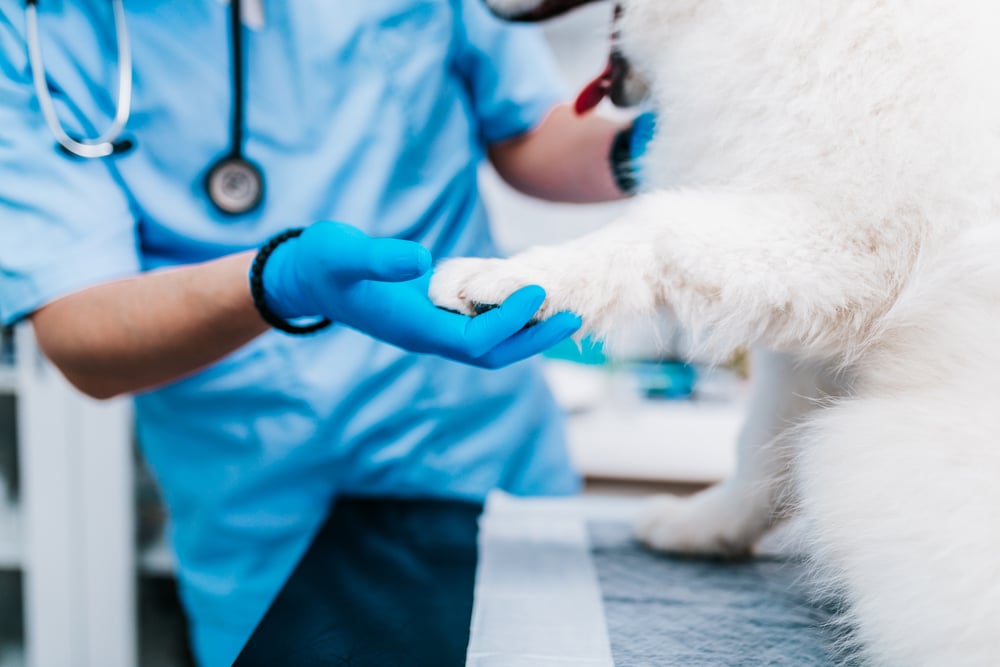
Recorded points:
(83, 560)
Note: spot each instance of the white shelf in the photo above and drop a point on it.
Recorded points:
(158, 559)
(12, 655)
(612, 433)
(11, 546)
(8, 379)
(75, 463)
(684, 441)
(11, 555)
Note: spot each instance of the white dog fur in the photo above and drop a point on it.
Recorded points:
(823, 184)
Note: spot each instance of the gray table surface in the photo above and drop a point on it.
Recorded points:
(672, 611)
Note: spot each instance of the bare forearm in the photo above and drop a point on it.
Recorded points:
(564, 159)
(135, 334)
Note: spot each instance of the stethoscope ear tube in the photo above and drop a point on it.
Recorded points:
(104, 145)
(117, 148)
(233, 184)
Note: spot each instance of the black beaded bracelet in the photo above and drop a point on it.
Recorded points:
(620, 158)
(257, 290)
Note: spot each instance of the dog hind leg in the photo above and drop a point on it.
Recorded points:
(900, 485)
(728, 519)
(901, 512)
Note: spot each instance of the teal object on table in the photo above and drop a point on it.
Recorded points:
(588, 352)
(660, 379)
(669, 380)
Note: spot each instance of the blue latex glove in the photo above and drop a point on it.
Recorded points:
(379, 287)
(643, 129)
(628, 149)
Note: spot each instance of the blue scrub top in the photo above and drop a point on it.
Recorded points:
(375, 113)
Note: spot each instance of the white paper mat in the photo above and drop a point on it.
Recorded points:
(537, 598)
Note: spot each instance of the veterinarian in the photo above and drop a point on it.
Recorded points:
(148, 154)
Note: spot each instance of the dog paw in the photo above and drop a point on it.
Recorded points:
(471, 286)
(699, 525)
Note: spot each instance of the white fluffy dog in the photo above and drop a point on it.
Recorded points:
(824, 185)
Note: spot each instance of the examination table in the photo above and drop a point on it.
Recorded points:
(528, 583)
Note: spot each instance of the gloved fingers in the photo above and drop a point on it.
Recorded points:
(643, 130)
(400, 313)
(485, 332)
(529, 342)
(390, 260)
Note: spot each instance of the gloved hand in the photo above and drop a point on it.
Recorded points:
(379, 287)
(643, 129)
(628, 149)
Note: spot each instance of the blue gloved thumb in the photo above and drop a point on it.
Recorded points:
(388, 260)
(342, 253)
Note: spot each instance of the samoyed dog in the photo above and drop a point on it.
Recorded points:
(824, 186)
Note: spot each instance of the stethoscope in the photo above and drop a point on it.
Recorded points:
(234, 184)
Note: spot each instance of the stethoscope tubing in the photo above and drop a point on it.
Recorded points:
(234, 185)
(104, 145)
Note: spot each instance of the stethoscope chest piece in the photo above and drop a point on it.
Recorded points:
(235, 186)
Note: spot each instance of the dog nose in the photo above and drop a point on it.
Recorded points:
(628, 87)
(621, 72)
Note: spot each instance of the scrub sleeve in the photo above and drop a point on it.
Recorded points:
(511, 75)
(65, 224)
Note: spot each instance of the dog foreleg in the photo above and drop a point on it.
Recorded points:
(736, 269)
